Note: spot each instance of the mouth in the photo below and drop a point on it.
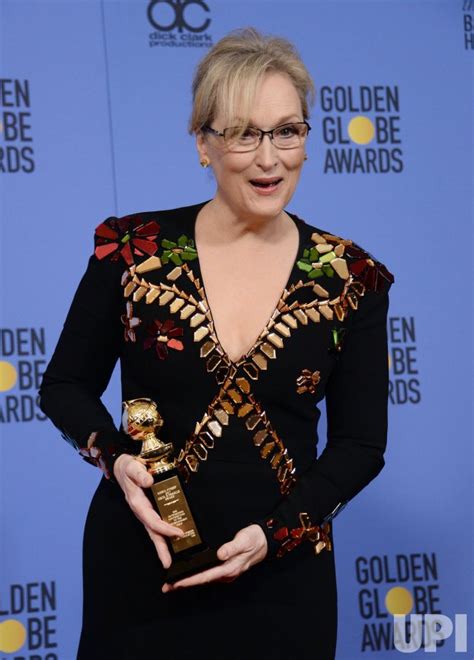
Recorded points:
(266, 185)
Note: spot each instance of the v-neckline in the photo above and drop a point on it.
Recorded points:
(197, 262)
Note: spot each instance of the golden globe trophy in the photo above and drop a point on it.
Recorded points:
(190, 554)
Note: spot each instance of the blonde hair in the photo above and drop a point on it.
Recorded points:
(228, 76)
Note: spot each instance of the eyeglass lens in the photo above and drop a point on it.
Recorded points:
(287, 136)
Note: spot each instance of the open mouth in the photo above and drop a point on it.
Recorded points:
(266, 184)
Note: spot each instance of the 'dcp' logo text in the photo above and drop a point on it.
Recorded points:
(181, 12)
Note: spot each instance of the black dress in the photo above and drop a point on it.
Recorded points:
(245, 435)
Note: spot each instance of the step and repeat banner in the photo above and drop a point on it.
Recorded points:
(94, 102)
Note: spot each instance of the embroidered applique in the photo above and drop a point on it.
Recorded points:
(307, 381)
(178, 252)
(316, 264)
(130, 322)
(206, 432)
(347, 259)
(126, 237)
(329, 256)
(319, 535)
(97, 457)
(367, 270)
(235, 398)
(337, 335)
(161, 335)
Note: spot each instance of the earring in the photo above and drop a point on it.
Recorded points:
(306, 156)
(204, 162)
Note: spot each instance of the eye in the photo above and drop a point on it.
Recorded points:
(249, 135)
(287, 131)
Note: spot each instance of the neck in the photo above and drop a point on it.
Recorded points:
(224, 224)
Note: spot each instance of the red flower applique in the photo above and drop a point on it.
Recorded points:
(367, 270)
(162, 335)
(126, 237)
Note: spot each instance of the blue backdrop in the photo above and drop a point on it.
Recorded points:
(94, 103)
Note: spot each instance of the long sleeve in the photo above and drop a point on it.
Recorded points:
(83, 362)
(356, 404)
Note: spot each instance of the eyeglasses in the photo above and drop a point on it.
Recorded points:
(286, 136)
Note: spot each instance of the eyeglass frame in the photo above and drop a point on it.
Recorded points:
(261, 133)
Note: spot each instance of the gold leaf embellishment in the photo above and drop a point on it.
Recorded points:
(307, 381)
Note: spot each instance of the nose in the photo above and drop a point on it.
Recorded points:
(266, 154)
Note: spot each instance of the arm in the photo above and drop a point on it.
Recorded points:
(80, 369)
(82, 364)
(356, 403)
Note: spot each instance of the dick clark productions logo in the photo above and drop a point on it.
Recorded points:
(180, 23)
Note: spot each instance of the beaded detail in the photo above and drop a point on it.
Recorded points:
(130, 322)
(96, 457)
(307, 381)
(235, 398)
(101, 457)
(162, 336)
(337, 335)
(178, 252)
(328, 256)
(318, 535)
(126, 237)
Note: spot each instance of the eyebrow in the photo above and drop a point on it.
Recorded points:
(282, 120)
(286, 118)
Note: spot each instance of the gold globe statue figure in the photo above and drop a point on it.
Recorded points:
(190, 554)
(143, 422)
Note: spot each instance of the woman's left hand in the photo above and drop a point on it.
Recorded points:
(247, 548)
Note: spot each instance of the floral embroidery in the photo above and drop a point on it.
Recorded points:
(314, 264)
(177, 252)
(162, 335)
(370, 272)
(327, 256)
(307, 381)
(290, 538)
(130, 322)
(331, 249)
(126, 237)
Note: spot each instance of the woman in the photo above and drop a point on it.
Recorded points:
(236, 317)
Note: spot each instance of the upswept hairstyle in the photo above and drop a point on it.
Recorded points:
(227, 77)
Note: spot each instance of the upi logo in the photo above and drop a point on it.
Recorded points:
(428, 630)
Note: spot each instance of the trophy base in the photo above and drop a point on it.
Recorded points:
(181, 568)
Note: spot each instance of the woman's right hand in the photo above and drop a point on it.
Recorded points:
(132, 476)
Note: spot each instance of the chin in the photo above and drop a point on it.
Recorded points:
(271, 205)
(266, 208)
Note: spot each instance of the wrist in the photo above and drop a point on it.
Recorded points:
(262, 542)
(272, 545)
(105, 447)
(282, 539)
